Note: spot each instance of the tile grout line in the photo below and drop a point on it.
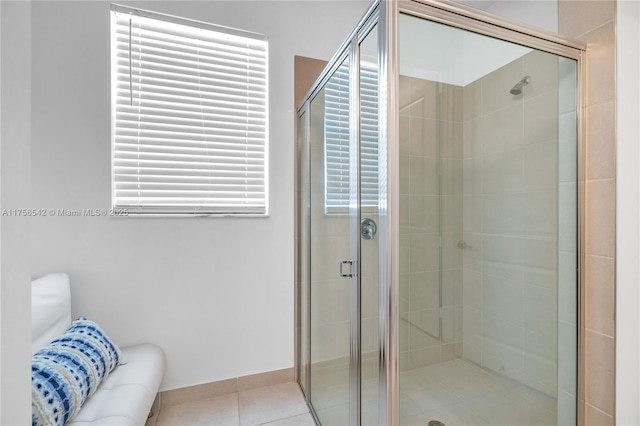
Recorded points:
(238, 405)
(598, 409)
(283, 418)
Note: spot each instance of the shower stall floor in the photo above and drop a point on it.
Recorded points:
(459, 392)
(456, 393)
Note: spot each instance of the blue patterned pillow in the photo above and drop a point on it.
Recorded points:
(68, 370)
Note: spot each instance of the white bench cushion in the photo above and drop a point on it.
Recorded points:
(125, 397)
(50, 309)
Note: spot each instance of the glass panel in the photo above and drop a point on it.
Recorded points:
(488, 230)
(329, 152)
(567, 242)
(303, 254)
(369, 189)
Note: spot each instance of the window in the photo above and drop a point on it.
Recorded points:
(337, 140)
(189, 116)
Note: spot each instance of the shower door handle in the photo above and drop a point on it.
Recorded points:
(349, 272)
(368, 228)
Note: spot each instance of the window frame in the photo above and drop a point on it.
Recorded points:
(142, 209)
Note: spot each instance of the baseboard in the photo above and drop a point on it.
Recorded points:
(224, 387)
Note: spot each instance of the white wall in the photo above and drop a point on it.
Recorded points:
(542, 14)
(628, 215)
(216, 294)
(15, 304)
(539, 13)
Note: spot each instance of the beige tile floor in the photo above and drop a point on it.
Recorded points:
(281, 404)
(457, 393)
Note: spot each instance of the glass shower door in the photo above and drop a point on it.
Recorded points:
(330, 249)
(344, 247)
(487, 230)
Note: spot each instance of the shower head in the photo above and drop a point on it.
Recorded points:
(517, 89)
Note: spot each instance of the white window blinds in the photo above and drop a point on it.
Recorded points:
(337, 140)
(189, 116)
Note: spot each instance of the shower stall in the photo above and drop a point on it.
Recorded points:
(438, 246)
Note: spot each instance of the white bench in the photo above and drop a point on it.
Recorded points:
(125, 397)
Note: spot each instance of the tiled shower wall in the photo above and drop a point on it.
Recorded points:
(492, 155)
(510, 222)
(430, 222)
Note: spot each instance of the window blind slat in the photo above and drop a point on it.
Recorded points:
(165, 114)
(220, 182)
(253, 151)
(143, 105)
(209, 140)
(155, 29)
(185, 51)
(141, 65)
(258, 106)
(184, 133)
(208, 144)
(178, 171)
(157, 162)
(129, 119)
(195, 84)
(198, 60)
(230, 81)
